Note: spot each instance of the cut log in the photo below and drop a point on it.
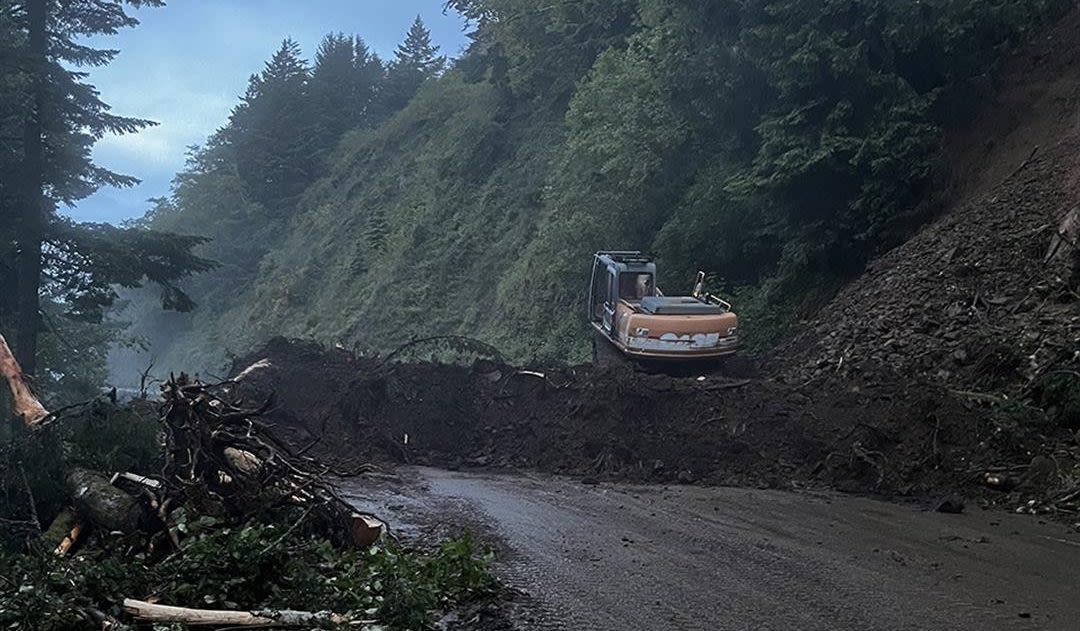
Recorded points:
(243, 461)
(63, 533)
(25, 404)
(366, 530)
(103, 504)
(69, 541)
(149, 612)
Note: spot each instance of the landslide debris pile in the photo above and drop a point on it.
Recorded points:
(879, 437)
(986, 299)
(985, 302)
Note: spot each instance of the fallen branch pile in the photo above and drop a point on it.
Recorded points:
(223, 461)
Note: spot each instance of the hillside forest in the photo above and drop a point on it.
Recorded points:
(210, 403)
(359, 201)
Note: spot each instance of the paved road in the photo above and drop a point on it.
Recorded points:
(626, 557)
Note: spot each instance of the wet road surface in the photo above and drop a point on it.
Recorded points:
(626, 557)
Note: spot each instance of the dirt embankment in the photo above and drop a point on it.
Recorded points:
(971, 302)
(877, 437)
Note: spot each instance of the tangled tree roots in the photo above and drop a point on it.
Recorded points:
(224, 461)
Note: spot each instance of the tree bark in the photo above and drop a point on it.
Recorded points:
(149, 612)
(103, 504)
(31, 225)
(25, 404)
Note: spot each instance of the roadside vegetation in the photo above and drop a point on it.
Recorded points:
(268, 561)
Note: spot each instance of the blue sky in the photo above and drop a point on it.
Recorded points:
(187, 64)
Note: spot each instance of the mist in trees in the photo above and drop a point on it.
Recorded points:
(57, 277)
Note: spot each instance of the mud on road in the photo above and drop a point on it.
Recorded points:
(620, 556)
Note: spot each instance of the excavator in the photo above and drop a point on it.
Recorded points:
(633, 321)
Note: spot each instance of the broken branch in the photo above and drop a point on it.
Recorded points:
(149, 612)
(26, 405)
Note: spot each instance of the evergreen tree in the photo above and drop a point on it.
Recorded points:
(344, 82)
(58, 118)
(416, 60)
(269, 131)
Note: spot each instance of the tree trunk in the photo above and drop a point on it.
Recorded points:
(103, 504)
(31, 225)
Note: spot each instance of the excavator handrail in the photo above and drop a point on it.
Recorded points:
(716, 300)
(626, 256)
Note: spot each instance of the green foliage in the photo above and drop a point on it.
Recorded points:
(50, 119)
(416, 60)
(777, 143)
(101, 436)
(1059, 395)
(252, 567)
(343, 90)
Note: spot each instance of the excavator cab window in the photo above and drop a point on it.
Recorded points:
(634, 286)
(601, 291)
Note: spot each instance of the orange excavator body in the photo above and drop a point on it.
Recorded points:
(628, 313)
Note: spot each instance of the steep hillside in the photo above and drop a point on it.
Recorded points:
(974, 302)
(410, 230)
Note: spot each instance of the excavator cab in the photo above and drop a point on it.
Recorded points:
(631, 317)
(618, 276)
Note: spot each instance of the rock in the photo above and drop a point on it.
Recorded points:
(1040, 474)
(953, 504)
(999, 481)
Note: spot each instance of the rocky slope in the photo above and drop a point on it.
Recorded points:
(976, 301)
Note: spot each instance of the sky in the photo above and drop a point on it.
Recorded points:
(186, 65)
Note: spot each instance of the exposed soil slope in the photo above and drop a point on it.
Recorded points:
(970, 302)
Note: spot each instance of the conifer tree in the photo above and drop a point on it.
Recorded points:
(47, 163)
(416, 60)
(268, 130)
(344, 82)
